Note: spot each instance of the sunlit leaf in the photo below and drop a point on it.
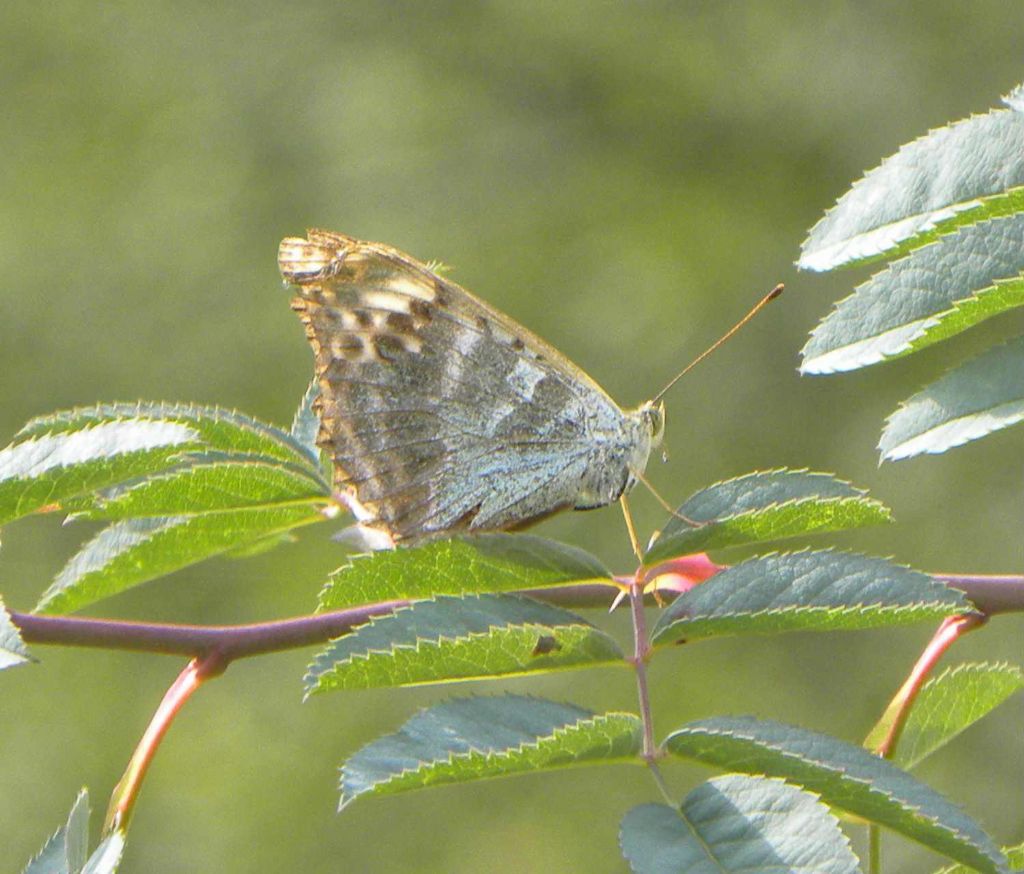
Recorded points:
(981, 396)
(107, 856)
(135, 550)
(932, 294)
(480, 738)
(207, 482)
(226, 430)
(737, 825)
(1015, 855)
(484, 563)
(66, 851)
(956, 175)
(764, 506)
(811, 591)
(12, 648)
(845, 776)
(45, 469)
(306, 423)
(58, 457)
(460, 638)
(947, 705)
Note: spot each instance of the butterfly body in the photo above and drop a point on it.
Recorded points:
(440, 413)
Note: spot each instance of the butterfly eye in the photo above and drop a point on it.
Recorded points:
(656, 422)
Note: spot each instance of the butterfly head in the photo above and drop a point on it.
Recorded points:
(652, 414)
(646, 429)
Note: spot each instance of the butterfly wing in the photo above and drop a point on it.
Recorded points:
(441, 414)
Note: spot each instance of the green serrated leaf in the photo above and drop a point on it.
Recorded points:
(810, 591)
(956, 175)
(739, 824)
(481, 738)
(218, 428)
(135, 550)
(208, 482)
(1014, 854)
(52, 858)
(845, 776)
(975, 399)
(1015, 99)
(107, 856)
(946, 706)
(66, 851)
(76, 833)
(12, 648)
(934, 293)
(57, 458)
(460, 638)
(306, 423)
(45, 469)
(764, 506)
(484, 563)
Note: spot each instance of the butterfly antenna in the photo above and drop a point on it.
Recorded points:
(760, 305)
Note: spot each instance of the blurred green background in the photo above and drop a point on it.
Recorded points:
(625, 179)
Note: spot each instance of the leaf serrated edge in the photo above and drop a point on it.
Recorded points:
(422, 642)
(858, 183)
(836, 305)
(115, 411)
(312, 451)
(966, 207)
(950, 373)
(989, 207)
(478, 559)
(922, 327)
(859, 494)
(23, 656)
(914, 810)
(926, 609)
(963, 667)
(771, 471)
(158, 525)
(917, 605)
(188, 462)
(593, 719)
(853, 500)
(957, 306)
(883, 512)
(159, 411)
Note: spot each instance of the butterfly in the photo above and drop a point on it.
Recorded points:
(442, 415)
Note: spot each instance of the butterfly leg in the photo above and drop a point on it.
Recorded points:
(651, 587)
(631, 528)
(625, 588)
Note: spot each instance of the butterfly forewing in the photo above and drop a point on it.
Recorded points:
(439, 412)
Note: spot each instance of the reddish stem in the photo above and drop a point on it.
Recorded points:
(126, 793)
(990, 594)
(951, 630)
(641, 654)
(231, 641)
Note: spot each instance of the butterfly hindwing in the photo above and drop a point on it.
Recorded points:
(439, 412)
